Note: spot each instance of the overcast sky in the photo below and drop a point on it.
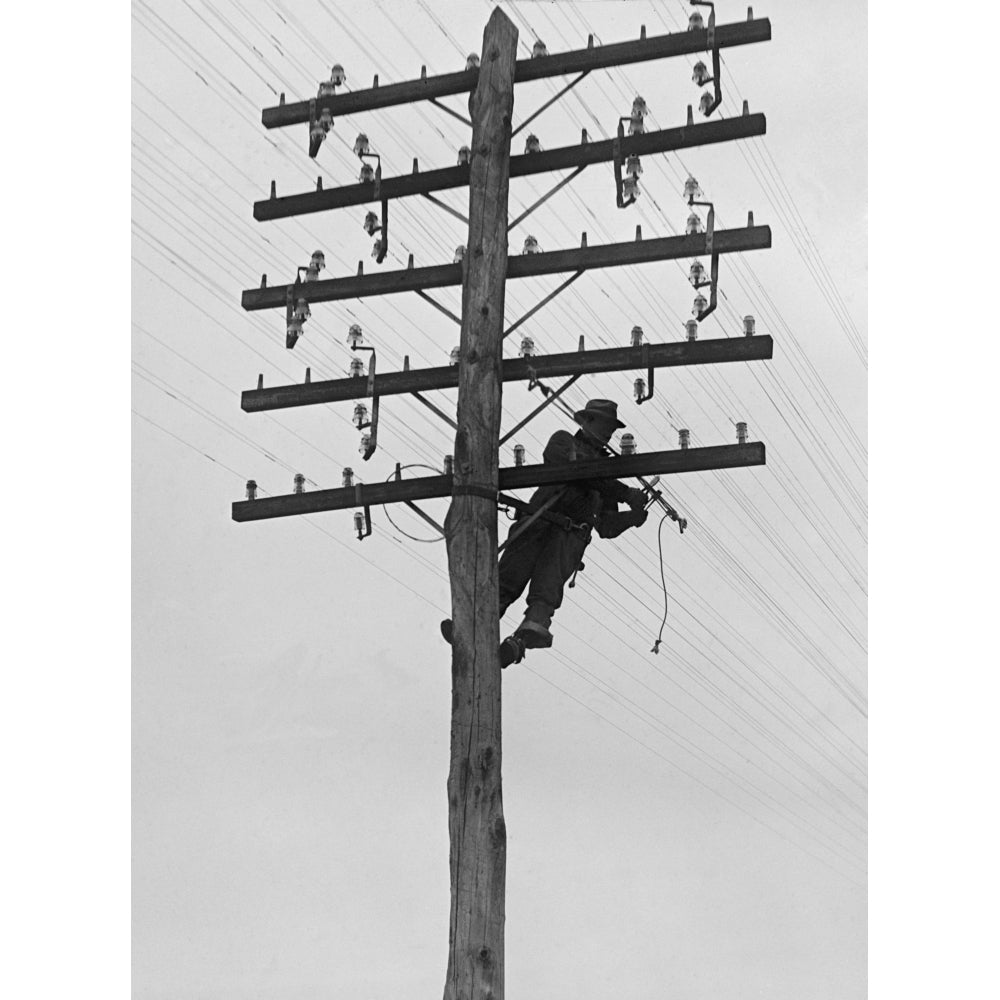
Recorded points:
(690, 824)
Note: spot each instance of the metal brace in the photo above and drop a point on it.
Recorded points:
(716, 77)
(370, 391)
(362, 535)
(384, 228)
(314, 143)
(709, 248)
(649, 376)
(291, 294)
(617, 159)
(713, 295)
(383, 242)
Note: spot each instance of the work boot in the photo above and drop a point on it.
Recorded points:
(534, 635)
(511, 649)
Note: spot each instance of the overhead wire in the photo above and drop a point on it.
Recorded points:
(662, 730)
(841, 314)
(619, 73)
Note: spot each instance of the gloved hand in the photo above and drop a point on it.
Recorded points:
(636, 499)
(637, 517)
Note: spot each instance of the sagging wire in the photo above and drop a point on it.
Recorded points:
(396, 475)
(663, 580)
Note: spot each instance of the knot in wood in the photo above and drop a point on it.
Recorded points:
(498, 833)
(494, 52)
(485, 957)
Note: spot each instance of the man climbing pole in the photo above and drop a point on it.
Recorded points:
(547, 541)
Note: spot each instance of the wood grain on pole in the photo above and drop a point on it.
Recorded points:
(477, 834)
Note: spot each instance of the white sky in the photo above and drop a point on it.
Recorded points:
(633, 865)
(688, 825)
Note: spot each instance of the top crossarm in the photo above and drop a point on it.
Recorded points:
(560, 64)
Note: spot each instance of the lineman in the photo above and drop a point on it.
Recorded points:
(546, 553)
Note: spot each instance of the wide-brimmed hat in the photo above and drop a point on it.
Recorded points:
(606, 409)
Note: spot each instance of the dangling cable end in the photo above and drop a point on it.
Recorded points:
(656, 646)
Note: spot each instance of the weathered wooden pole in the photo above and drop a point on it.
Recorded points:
(478, 854)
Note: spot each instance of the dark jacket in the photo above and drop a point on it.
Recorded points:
(591, 501)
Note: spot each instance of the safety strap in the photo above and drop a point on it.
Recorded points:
(474, 490)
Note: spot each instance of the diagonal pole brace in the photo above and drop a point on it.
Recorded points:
(437, 305)
(440, 204)
(550, 397)
(450, 111)
(569, 86)
(430, 520)
(548, 298)
(416, 510)
(547, 392)
(430, 406)
(545, 197)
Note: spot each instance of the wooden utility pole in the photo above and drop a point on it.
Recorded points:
(478, 837)
(478, 841)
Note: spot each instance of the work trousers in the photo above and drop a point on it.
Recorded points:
(542, 558)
